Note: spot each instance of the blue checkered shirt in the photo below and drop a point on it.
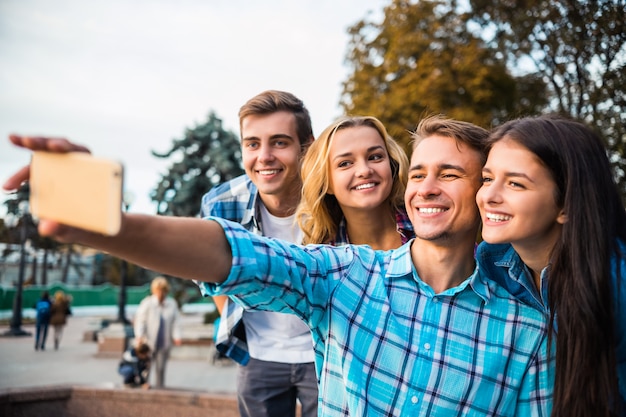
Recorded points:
(235, 200)
(392, 347)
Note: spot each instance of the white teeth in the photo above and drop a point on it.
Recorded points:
(365, 186)
(269, 172)
(497, 217)
(431, 210)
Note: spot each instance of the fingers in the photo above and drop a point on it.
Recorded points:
(59, 232)
(15, 180)
(39, 143)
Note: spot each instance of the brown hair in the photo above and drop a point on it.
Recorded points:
(272, 101)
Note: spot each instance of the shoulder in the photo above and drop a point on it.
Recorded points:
(145, 303)
(239, 187)
(504, 304)
(230, 199)
(494, 261)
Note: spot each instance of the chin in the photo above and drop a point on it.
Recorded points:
(490, 238)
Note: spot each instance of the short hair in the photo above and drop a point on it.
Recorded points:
(142, 348)
(319, 213)
(272, 101)
(467, 133)
(160, 282)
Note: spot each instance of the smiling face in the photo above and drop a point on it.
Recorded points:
(271, 156)
(444, 176)
(517, 200)
(360, 170)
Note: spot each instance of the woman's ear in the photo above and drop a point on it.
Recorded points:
(561, 218)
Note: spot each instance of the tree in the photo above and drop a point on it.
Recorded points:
(579, 49)
(424, 58)
(207, 155)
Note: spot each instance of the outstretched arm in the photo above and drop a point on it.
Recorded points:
(188, 248)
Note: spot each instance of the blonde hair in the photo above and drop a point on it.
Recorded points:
(59, 296)
(160, 282)
(319, 213)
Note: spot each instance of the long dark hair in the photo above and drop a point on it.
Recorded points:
(580, 292)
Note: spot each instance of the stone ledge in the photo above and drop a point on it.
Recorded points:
(75, 401)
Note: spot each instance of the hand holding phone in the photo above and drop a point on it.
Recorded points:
(77, 189)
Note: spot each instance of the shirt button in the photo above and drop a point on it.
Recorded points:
(427, 346)
(414, 399)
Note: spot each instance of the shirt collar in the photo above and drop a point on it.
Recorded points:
(401, 264)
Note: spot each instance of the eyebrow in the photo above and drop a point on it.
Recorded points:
(511, 174)
(370, 149)
(276, 136)
(441, 167)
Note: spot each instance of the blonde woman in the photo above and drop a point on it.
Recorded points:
(58, 315)
(354, 177)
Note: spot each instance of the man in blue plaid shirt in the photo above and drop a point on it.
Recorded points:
(416, 331)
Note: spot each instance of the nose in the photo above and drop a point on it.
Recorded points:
(489, 193)
(265, 154)
(363, 170)
(428, 187)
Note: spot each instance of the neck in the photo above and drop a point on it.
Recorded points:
(536, 254)
(536, 261)
(376, 228)
(281, 205)
(443, 266)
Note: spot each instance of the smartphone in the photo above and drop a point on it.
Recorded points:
(77, 189)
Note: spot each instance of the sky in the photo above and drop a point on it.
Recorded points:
(126, 77)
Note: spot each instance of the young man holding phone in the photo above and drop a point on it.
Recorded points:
(413, 331)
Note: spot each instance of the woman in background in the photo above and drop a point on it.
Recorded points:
(555, 235)
(42, 320)
(58, 317)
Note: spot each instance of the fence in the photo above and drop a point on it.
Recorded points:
(88, 295)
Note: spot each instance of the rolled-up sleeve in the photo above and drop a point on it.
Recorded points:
(274, 275)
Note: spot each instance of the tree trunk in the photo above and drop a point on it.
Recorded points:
(33, 270)
(66, 265)
(44, 272)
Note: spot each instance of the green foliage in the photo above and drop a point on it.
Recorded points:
(13, 203)
(206, 156)
(579, 49)
(423, 58)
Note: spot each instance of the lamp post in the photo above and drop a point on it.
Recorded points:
(129, 197)
(12, 221)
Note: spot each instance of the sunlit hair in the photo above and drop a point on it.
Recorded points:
(272, 101)
(59, 296)
(463, 132)
(319, 213)
(160, 283)
(580, 276)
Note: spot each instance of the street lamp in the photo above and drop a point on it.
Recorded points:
(128, 199)
(10, 221)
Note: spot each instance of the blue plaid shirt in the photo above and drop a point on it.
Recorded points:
(235, 200)
(392, 347)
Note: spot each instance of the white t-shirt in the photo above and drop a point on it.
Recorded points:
(278, 337)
